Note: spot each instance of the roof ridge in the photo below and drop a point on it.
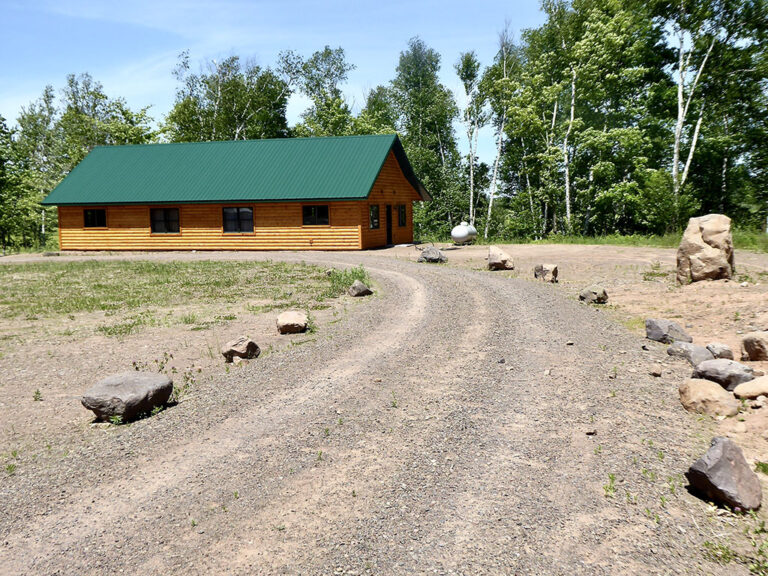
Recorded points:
(285, 139)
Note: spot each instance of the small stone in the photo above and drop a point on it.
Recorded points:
(241, 348)
(691, 352)
(432, 255)
(744, 284)
(292, 322)
(359, 289)
(723, 476)
(707, 397)
(719, 350)
(665, 331)
(656, 372)
(753, 389)
(727, 373)
(546, 272)
(499, 260)
(127, 395)
(569, 343)
(754, 346)
(594, 294)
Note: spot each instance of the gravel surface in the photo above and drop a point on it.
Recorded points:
(457, 422)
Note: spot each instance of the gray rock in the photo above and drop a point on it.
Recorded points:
(546, 272)
(727, 373)
(723, 476)
(432, 255)
(359, 289)
(499, 260)
(127, 395)
(292, 322)
(754, 346)
(691, 352)
(719, 350)
(706, 250)
(665, 331)
(594, 294)
(240, 348)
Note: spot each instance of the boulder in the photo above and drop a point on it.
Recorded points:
(292, 322)
(694, 354)
(707, 397)
(665, 331)
(241, 348)
(752, 389)
(432, 255)
(754, 346)
(719, 350)
(727, 373)
(499, 260)
(359, 289)
(723, 476)
(594, 294)
(545, 272)
(706, 250)
(127, 395)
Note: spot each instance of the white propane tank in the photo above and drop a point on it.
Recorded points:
(463, 233)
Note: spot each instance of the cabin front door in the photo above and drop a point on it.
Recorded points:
(389, 223)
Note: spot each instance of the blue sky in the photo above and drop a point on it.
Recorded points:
(131, 46)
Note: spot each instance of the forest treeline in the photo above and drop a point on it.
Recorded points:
(614, 116)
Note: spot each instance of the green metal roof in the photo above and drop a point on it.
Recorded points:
(287, 169)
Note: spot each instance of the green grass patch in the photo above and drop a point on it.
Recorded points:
(341, 280)
(66, 288)
(742, 239)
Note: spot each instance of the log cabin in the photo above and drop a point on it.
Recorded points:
(336, 193)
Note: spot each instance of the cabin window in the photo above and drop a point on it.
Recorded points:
(238, 220)
(373, 216)
(95, 218)
(402, 216)
(164, 220)
(315, 215)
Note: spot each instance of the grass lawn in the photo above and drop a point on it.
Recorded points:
(134, 288)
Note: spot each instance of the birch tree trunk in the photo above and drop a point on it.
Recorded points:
(566, 156)
(494, 178)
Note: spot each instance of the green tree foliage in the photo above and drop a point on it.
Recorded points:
(227, 101)
(51, 137)
(320, 77)
(424, 114)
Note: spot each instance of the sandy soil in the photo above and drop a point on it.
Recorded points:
(458, 422)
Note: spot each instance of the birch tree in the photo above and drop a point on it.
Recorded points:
(474, 115)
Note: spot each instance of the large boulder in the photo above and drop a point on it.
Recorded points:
(720, 350)
(727, 373)
(665, 331)
(754, 346)
(545, 272)
(594, 294)
(752, 389)
(707, 397)
(127, 395)
(292, 322)
(691, 352)
(358, 289)
(432, 255)
(706, 250)
(499, 260)
(723, 476)
(241, 348)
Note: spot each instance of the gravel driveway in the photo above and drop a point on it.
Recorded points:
(458, 422)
